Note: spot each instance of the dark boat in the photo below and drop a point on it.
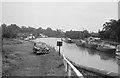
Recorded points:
(91, 45)
(106, 48)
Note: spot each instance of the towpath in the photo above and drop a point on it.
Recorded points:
(30, 64)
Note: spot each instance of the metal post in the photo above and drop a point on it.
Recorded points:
(69, 71)
(59, 50)
(65, 66)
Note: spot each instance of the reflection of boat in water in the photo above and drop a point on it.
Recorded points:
(81, 48)
(91, 51)
(106, 56)
(106, 48)
(103, 55)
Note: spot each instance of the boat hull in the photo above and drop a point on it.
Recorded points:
(92, 46)
(80, 44)
(110, 50)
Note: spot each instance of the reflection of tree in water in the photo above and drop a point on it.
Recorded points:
(106, 56)
(103, 55)
(81, 48)
(91, 51)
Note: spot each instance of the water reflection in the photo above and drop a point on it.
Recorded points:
(81, 48)
(107, 56)
(85, 56)
(91, 51)
(103, 55)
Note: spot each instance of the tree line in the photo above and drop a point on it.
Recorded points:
(12, 31)
(77, 34)
(111, 30)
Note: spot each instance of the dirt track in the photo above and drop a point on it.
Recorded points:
(23, 62)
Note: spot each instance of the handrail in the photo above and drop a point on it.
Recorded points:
(71, 66)
(118, 48)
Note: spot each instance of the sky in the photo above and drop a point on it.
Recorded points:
(60, 15)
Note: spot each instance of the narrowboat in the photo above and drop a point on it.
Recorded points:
(91, 45)
(106, 48)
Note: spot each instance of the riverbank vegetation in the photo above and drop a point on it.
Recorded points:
(13, 31)
(110, 31)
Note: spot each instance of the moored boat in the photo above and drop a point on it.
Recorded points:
(81, 43)
(91, 45)
(106, 48)
(68, 40)
(90, 42)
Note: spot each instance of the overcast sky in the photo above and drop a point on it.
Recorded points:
(61, 15)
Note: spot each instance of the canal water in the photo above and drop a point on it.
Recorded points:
(84, 56)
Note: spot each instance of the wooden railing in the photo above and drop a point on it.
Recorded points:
(69, 67)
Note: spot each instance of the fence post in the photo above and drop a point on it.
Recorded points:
(69, 67)
(69, 71)
(66, 66)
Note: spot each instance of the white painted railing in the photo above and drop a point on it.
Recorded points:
(118, 48)
(69, 67)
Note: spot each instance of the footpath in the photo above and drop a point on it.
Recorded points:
(19, 60)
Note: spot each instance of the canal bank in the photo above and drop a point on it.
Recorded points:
(19, 60)
(23, 62)
(86, 57)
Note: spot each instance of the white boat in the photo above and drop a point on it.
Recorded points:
(118, 50)
(67, 40)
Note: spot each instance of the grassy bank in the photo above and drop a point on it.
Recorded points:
(19, 60)
(8, 57)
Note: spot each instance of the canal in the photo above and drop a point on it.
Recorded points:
(84, 56)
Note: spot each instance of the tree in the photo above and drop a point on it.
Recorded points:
(111, 30)
(10, 31)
